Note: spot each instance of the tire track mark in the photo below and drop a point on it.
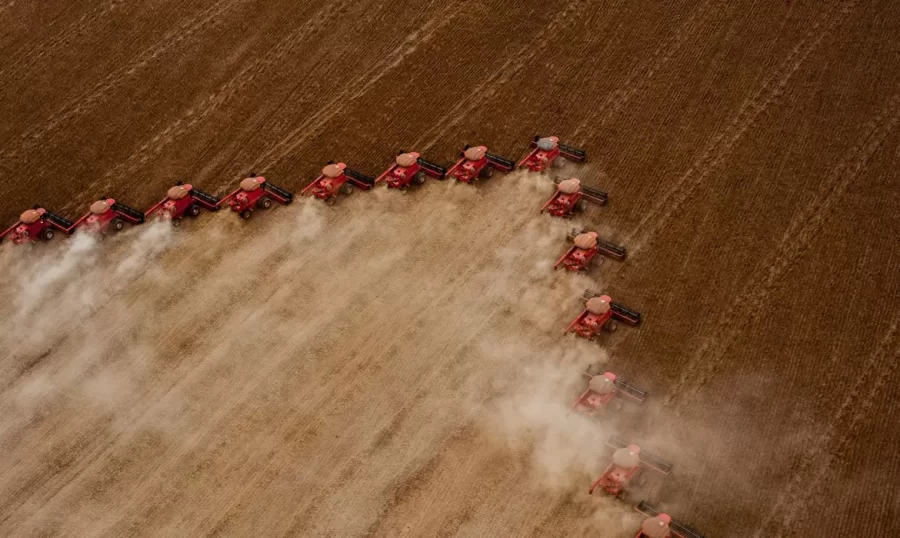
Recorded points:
(828, 448)
(39, 52)
(803, 227)
(640, 77)
(353, 90)
(87, 101)
(723, 144)
(244, 78)
(488, 87)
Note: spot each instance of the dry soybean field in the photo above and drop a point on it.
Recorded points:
(395, 364)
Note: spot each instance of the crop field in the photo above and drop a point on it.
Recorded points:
(395, 364)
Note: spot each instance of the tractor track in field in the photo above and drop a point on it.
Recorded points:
(196, 115)
(41, 51)
(747, 307)
(828, 447)
(723, 144)
(84, 103)
(642, 75)
(498, 79)
(355, 89)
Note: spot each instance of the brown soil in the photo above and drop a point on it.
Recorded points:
(395, 365)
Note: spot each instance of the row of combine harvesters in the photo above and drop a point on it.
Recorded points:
(600, 313)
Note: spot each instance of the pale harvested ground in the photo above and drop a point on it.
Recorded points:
(751, 150)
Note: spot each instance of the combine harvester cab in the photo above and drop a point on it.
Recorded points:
(545, 153)
(627, 462)
(336, 179)
(585, 248)
(661, 525)
(477, 163)
(37, 224)
(602, 388)
(255, 192)
(409, 168)
(107, 215)
(572, 196)
(601, 314)
(182, 199)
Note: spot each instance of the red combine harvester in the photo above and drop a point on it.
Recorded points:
(183, 199)
(627, 462)
(572, 196)
(585, 249)
(661, 525)
(602, 388)
(37, 224)
(336, 179)
(477, 163)
(544, 153)
(601, 314)
(410, 168)
(255, 192)
(106, 215)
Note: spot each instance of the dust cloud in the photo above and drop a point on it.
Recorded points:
(158, 340)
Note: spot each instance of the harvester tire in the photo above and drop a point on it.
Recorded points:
(581, 205)
(558, 163)
(193, 210)
(46, 234)
(419, 178)
(346, 189)
(264, 203)
(611, 326)
(117, 225)
(487, 172)
(245, 214)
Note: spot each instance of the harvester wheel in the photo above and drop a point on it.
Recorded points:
(581, 205)
(419, 178)
(117, 225)
(245, 214)
(346, 189)
(611, 326)
(558, 163)
(46, 234)
(193, 210)
(176, 223)
(264, 203)
(486, 173)
(594, 369)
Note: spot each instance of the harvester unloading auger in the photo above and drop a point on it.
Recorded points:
(661, 525)
(627, 462)
(545, 153)
(255, 192)
(586, 246)
(410, 168)
(477, 162)
(601, 314)
(107, 215)
(37, 224)
(571, 196)
(182, 199)
(602, 388)
(336, 179)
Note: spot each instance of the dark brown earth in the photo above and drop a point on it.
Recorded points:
(395, 366)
